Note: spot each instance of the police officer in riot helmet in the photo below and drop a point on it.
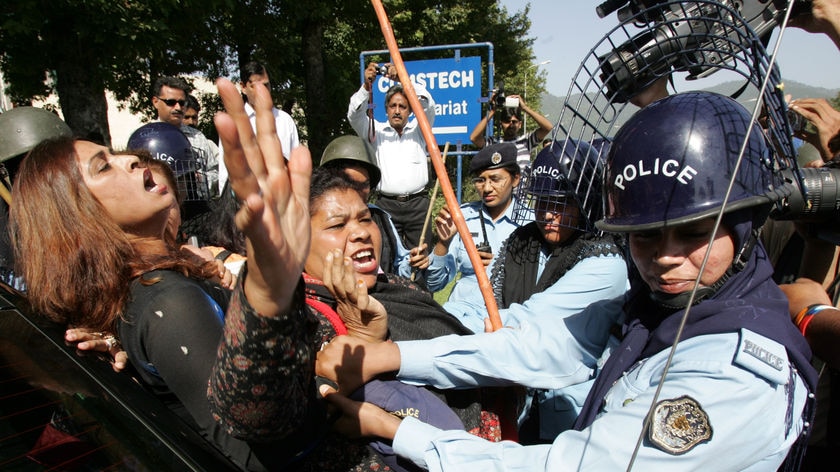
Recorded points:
(167, 143)
(21, 129)
(740, 373)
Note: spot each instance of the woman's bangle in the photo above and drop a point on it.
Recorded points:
(809, 310)
(804, 317)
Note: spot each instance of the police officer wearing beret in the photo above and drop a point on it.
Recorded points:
(495, 175)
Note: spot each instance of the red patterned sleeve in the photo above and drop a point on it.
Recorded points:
(261, 385)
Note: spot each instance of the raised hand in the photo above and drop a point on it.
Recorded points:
(275, 195)
(825, 119)
(363, 315)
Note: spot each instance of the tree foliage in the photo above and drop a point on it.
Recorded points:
(80, 48)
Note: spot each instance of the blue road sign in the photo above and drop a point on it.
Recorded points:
(455, 85)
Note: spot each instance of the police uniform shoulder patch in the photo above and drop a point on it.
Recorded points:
(762, 356)
(678, 425)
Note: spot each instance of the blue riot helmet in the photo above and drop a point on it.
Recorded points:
(672, 162)
(167, 143)
(565, 174)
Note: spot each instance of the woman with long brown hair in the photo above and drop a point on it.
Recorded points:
(89, 228)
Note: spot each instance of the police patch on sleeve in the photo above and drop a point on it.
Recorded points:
(678, 425)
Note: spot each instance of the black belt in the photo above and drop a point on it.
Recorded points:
(405, 197)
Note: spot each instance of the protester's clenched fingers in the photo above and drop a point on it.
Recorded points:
(340, 271)
(329, 274)
(361, 295)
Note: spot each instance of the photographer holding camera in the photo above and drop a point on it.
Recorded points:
(510, 110)
(826, 122)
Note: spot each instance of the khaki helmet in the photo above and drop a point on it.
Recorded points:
(352, 148)
(22, 128)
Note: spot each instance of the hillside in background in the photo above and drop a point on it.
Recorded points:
(552, 104)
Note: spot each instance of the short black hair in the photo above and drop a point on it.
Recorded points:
(171, 82)
(249, 69)
(192, 102)
(508, 113)
(327, 178)
(395, 89)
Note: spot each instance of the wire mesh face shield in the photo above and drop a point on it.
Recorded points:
(672, 39)
(194, 170)
(564, 186)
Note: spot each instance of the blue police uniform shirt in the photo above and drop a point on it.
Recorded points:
(590, 280)
(752, 406)
(442, 269)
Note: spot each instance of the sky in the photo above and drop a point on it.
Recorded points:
(566, 30)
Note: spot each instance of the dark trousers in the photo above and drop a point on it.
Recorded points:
(408, 217)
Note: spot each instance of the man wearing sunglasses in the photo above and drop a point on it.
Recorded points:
(169, 97)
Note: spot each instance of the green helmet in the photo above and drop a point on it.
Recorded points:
(22, 128)
(352, 148)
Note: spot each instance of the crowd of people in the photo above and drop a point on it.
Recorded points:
(321, 346)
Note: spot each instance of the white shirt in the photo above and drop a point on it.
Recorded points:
(401, 157)
(286, 131)
(208, 157)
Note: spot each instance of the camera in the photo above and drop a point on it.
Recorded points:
(483, 247)
(382, 70)
(797, 121)
(499, 96)
(814, 199)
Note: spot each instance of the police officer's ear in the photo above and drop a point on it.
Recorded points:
(515, 179)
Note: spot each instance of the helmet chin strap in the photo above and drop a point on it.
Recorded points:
(679, 301)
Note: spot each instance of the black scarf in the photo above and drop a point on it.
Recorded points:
(413, 315)
(749, 299)
(412, 312)
(519, 261)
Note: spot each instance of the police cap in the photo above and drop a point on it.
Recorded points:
(495, 156)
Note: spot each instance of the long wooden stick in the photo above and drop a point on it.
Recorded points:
(440, 168)
(432, 203)
(431, 207)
